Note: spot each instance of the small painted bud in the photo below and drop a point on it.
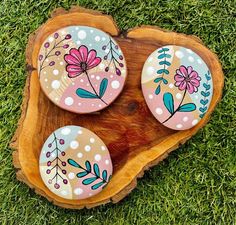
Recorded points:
(56, 185)
(105, 57)
(46, 45)
(57, 53)
(68, 36)
(48, 171)
(49, 163)
(40, 57)
(48, 154)
(63, 163)
(65, 181)
(118, 72)
(121, 57)
(116, 47)
(63, 153)
(107, 69)
(121, 64)
(49, 181)
(66, 46)
(49, 145)
(56, 35)
(52, 63)
(63, 171)
(104, 47)
(61, 141)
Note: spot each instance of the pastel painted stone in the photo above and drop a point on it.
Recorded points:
(81, 69)
(177, 86)
(75, 163)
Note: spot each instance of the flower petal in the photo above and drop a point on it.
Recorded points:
(178, 77)
(94, 63)
(193, 75)
(73, 70)
(190, 88)
(91, 56)
(83, 50)
(71, 59)
(183, 71)
(76, 54)
(189, 69)
(195, 82)
(182, 85)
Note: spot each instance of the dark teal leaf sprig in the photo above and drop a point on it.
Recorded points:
(98, 179)
(206, 93)
(163, 56)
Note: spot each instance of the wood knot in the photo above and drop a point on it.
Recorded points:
(132, 107)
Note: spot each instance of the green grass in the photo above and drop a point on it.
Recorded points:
(196, 184)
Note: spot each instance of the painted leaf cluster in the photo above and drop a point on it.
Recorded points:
(98, 178)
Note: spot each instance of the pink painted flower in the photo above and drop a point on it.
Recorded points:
(187, 79)
(80, 60)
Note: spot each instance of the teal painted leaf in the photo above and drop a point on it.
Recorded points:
(103, 87)
(165, 81)
(202, 115)
(89, 180)
(169, 102)
(165, 63)
(163, 50)
(73, 163)
(96, 169)
(104, 175)
(204, 102)
(82, 174)
(205, 94)
(162, 56)
(96, 186)
(158, 89)
(161, 71)
(203, 109)
(207, 86)
(85, 94)
(158, 79)
(208, 76)
(189, 107)
(88, 166)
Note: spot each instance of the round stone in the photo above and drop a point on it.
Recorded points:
(83, 70)
(68, 169)
(180, 85)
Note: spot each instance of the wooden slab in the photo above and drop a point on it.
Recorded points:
(135, 139)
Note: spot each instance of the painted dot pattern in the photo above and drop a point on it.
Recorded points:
(68, 169)
(177, 86)
(81, 69)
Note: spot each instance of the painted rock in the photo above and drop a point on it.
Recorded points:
(75, 163)
(177, 86)
(81, 69)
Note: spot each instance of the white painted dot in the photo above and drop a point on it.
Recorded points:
(107, 162)
(107, 50)
(150, 70)
(111, 76)
(191, 59)
(115, 84)
(99, 105)
(150, 59)
(150, 96)
(74, 144)
(179, 54)
(194, 122)
(178, 96)
(56, 99)
(103, 38)
(73, 83)
(82, 34)
(92, 140)
(87, 148)
(55, 84)
(78, 191)
(47, 60)
(61, 63)
(77, 28)
(71, 175)
(92, 76)
(185, 119)
(189, 51)
(78, 42)
(46, 80)
(179, 126)
(103, 148)
(79, 103)
(159, 111)
(171, 85)
(80, 155)
(65, 131)
(44, 72)
(123, 71)
(53, 155)
(91, 31)
(80, 132)
(64, 192)
(97, 38)
(97, 78)
(55, 72)
(97, 157)
(90, 194)
(69, 101)
(101, 66)
(50, 39)
(81, 80)
(90, 44)
(196, 96)
(199, 61)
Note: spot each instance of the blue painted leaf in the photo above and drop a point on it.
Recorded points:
(163, 49)
(162, 56)
(204, 102)
(104, 175)
(89, 180)
(85, 94)
(158, 79)
(96, 186)
(169, 102)
(161, 71)
(73, 163)
(165, 81)
(158, 89)
(88, 165)
(208, 76)
(165, 63)
(109, 178)
(203, 109)
(82, 174)
(207, 86)
(103, 87)
(96, 169)
(202, 115)
(189, 107)
(205, 94)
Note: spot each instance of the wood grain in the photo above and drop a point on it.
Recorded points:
(135, 139)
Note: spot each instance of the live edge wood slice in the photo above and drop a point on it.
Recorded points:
(135, 139)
